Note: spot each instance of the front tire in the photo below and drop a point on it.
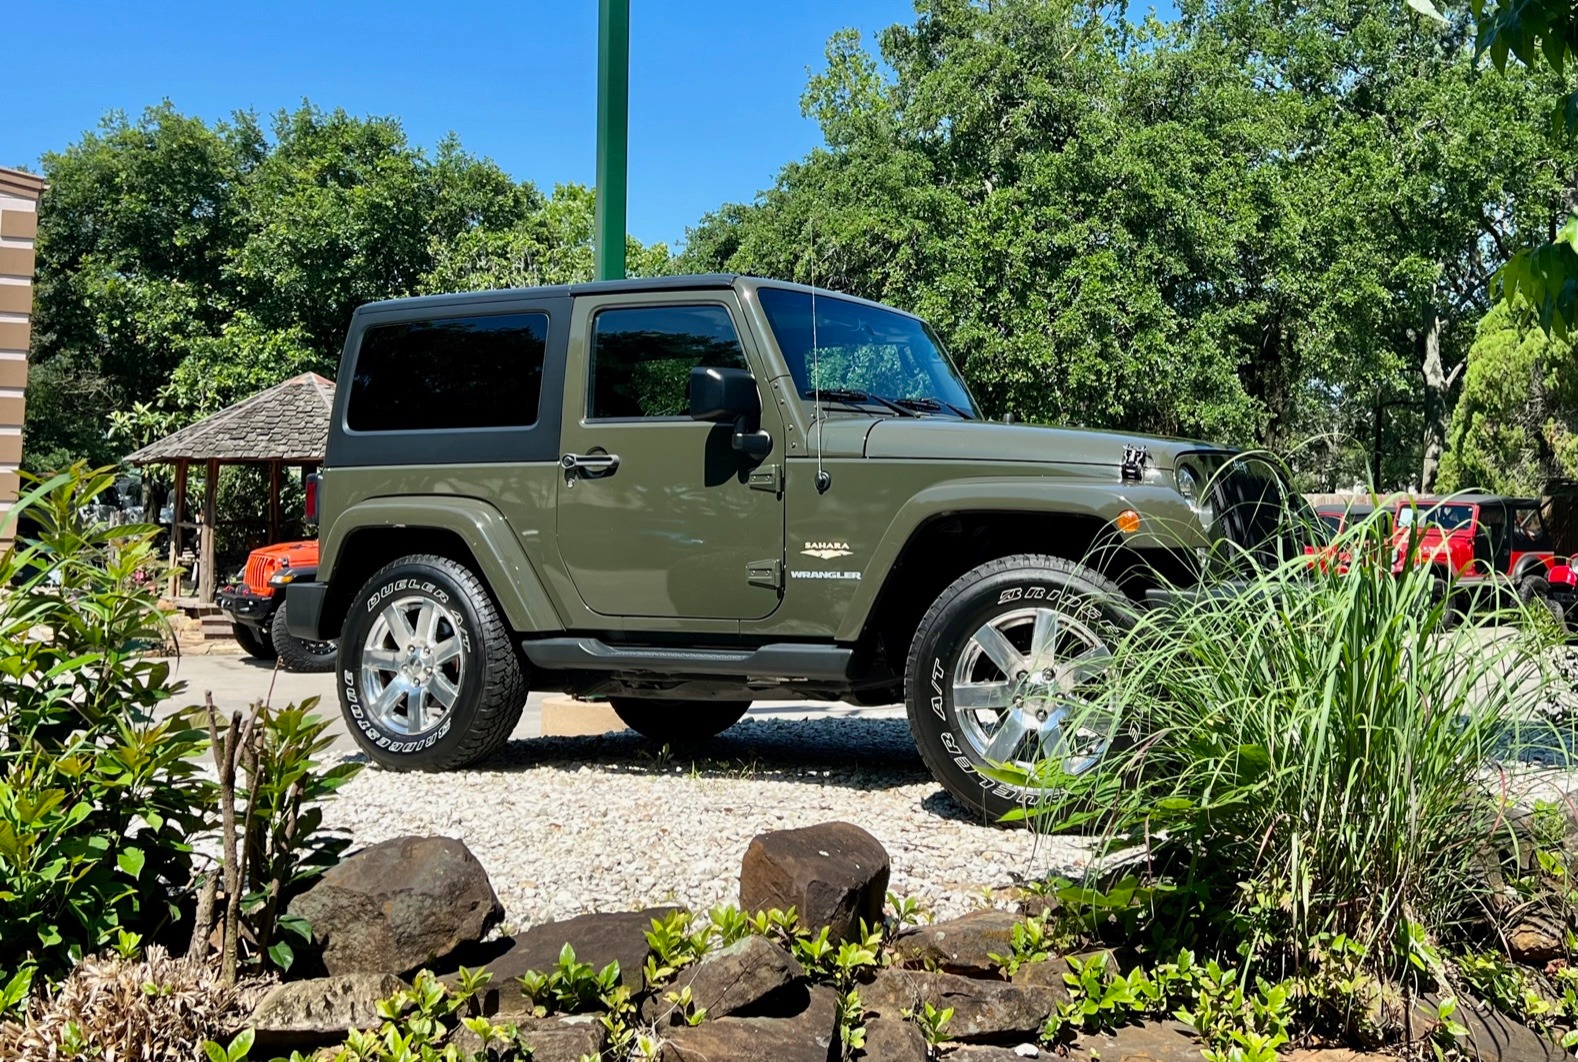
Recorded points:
(429, 675)
(254, 642)
(310, 658)
(1008, 653)
(678, 720)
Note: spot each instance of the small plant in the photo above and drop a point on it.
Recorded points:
(236, 1051)
(851, 1022)
(906, 912)
(814, 953)
(932, 1023)
(571, 986)
(1028, 943)
(730, 924)
(685, 1006)
(674, 945)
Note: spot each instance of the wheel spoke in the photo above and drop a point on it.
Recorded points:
(446, 650)
(399, 627)
(383, 707)
(415, 716)
(1043, 638)
(972, 695)
(1000, 650)
(443, 690)
(1049, 737)
(381, 659)
(1010, 734)
(1089, 665)
(427, 622)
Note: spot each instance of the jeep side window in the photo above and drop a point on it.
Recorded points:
(454, 372)
(642, 357)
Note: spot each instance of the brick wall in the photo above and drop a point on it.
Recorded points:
(19, 195)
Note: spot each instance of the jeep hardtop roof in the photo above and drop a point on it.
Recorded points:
(630, 285)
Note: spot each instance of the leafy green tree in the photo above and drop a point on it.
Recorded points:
(1516, 425)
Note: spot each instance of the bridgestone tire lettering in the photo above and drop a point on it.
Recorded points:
(492, 682)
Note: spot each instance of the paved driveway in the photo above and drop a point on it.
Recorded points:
(237, 681)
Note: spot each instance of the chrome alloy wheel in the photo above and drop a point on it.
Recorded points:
(412, 664)
(1020, 690)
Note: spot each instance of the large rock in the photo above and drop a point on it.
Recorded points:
(1494, 1037)
(833, 874)
(563, 1039)
(1161, 1041)
(809, 1036)
(1536, 937)
(750, 976)
(598, 938)
(317, 1012)
(398, 906)
(959, 945)
(983, 1011)
(891, 1040)
(1048, 974)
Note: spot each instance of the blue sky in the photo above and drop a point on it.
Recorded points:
(715, 88)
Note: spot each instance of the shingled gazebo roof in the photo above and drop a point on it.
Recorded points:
(287, 422)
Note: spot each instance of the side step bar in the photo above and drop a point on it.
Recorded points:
(782, 660)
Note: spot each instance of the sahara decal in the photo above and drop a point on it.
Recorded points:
(827, 550)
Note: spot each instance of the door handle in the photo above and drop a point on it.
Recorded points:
(589, 464)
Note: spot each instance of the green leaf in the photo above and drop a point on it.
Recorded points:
(1426, 8)
(215, 1052)
(281, 954)
(131, 860)
(241, 1046)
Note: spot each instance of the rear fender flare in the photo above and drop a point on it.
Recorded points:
(501, 560)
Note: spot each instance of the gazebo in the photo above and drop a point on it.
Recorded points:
(288, 424)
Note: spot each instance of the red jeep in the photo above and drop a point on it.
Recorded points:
(256, 606)
(1479, 541)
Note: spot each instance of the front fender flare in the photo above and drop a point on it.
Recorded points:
(1166, 520)
(502, 561)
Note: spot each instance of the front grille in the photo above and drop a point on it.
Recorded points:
(260, 568)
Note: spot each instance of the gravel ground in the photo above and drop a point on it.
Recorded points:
(570, 825)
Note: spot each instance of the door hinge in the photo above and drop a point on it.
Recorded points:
(768, 573)
(769, 478)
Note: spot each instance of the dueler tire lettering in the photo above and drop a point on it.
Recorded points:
(993, 588)
(492, 681)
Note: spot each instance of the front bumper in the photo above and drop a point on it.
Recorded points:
(305, 607)
(244, 606)
(1174, 597)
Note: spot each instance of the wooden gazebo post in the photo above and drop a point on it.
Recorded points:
(177, 515)
(208, 556)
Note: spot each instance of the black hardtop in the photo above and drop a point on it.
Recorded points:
(694, 282)
(418, 305)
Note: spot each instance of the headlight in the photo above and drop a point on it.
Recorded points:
(1193, 493)
(282, 578)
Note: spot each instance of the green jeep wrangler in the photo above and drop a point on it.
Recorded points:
(690, 493)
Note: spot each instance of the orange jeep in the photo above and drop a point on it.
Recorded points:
(256, 606)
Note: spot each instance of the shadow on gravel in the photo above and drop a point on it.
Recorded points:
(861, 753)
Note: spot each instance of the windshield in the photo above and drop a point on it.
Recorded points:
(1440, 517)
(865, 349)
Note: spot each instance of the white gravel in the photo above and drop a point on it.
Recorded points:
(569, 825)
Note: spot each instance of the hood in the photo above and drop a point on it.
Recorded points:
(939, 439)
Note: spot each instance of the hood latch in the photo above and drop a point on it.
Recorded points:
(1134, 458)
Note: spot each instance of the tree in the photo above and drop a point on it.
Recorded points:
(1266, 225)
(183, 266)
(1516, 425)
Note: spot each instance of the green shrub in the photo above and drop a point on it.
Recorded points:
(1314, 760)
(97, 800)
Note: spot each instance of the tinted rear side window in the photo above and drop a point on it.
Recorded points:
(455, 372)
(642, 357)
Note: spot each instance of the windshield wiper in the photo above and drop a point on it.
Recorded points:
(933, 405)
(853, 397)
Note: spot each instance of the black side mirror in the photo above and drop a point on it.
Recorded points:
(722, 395)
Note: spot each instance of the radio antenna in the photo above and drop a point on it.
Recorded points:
(823, 480)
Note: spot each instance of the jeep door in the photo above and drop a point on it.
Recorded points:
(658, 514)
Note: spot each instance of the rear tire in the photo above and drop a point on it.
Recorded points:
(254, 642)
(295, 654)
(429, 675)
(1018, 640)
(678, 720)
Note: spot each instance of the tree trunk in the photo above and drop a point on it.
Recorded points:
(1437, 386)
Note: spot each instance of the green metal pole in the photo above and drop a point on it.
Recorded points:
(613, 135)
